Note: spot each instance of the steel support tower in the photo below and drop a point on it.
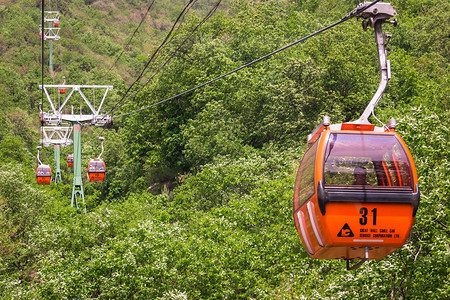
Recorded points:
(56, 116)
(51, 32)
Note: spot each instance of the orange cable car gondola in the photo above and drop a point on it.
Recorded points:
(356, 191)
(96, 167)
(43, 174)
(62, 89)
(96, 170)
(70, 160)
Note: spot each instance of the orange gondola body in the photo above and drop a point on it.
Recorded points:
(43, 174)
(62, 90)
(356, 192)
(96, 170)
(41, 117)
(70, 160)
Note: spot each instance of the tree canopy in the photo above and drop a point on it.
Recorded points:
(197, 200)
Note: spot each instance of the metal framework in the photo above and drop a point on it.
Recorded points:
(56, 117)
(58, 137)
(52, 31)
(51, 16)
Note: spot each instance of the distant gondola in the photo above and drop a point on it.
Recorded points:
(96, 170)
(70, 160)
(43, 174)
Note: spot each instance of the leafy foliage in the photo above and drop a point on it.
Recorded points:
(20, 205)
(197, 198)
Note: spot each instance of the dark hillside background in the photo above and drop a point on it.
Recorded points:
(197, 200)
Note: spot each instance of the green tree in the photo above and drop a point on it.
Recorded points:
(20, 205)
(214, 132)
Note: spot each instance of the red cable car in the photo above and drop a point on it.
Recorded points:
(356, 192)
(62, 90)
(96, 170)
(56, 23)
(43, 174)
(70, 160)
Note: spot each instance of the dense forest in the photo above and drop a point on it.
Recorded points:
(197, 199)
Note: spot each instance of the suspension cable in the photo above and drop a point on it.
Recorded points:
(132, 36)
(210, 13)
(42, 71)
(157, 50)
(187, 7)
(350, 15)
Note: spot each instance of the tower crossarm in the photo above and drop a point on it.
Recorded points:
(51, 33)
(56, 135)
(55, 117)
(51, 16)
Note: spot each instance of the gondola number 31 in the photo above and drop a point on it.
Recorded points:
(364, 211)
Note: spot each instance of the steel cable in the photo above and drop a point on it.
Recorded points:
(132, 36)
(347, 17)
(210, 13)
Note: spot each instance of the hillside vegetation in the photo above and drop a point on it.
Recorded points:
(197, 200)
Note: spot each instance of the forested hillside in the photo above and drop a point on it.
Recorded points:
(197, 199)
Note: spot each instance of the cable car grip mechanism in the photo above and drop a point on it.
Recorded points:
(375, 16)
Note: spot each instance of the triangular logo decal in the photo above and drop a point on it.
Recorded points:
(346, 231)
